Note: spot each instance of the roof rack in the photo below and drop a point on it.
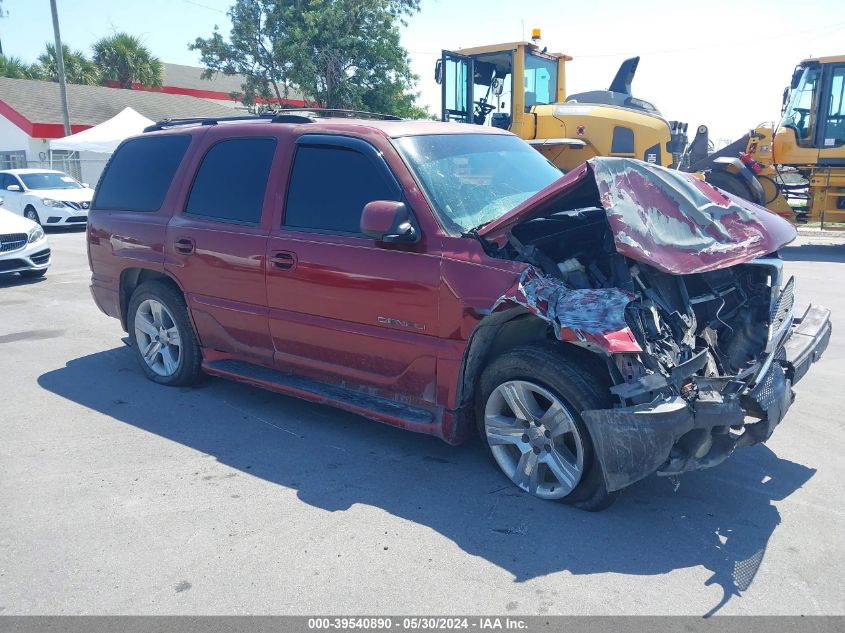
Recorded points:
(320, 113)
(292, 115)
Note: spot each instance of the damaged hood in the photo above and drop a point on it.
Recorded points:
(668, 219)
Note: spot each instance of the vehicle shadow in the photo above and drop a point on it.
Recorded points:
(834, 253)
(720, 519)
(14, 279)
(73, 228)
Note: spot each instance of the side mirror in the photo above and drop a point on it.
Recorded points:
(86, 185)
(13, 188)
(438, 71)
(388, 221)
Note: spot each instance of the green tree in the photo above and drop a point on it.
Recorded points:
(339, 53)
(78, 68)
(124, 58)
(15, 68)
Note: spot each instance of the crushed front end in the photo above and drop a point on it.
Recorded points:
(664, 278)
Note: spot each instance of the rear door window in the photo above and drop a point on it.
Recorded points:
(140, 172)
(232, 179)
(329, 187)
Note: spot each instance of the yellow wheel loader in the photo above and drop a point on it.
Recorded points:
(519, 87)
(796, 168)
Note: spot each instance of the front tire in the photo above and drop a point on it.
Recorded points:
(528, 416)
(31, 214)
(162, 336)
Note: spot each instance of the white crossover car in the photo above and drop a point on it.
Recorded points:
(23, 246)
(46, 196)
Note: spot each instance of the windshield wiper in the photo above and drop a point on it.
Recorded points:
(473, 232)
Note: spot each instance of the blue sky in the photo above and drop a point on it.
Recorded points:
(719, 62)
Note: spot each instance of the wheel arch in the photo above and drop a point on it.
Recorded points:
(500, 332)
(131, 278)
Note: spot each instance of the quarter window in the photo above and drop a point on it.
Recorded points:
(140, 172)
(232, 179)
(329, 187)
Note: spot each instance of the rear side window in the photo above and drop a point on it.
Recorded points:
(232, 179)
(140, 172)
(329, 187)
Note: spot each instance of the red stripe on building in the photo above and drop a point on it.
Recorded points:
(37, 130)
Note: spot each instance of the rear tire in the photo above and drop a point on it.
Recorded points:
(31, 214)
(162, 335)
(556, 389)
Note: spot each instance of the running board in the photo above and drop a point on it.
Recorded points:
(375, 407)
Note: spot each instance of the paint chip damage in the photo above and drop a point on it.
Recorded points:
(678, 287)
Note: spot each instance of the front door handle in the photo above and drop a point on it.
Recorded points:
(283, 260)
(184, 245)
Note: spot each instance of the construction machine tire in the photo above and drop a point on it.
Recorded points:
(730, 183)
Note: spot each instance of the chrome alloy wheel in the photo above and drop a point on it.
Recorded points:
(534, 439)
(158, 339)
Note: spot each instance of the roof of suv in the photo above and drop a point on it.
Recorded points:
(389, 128)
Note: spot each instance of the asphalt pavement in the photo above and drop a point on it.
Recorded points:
(119, 496)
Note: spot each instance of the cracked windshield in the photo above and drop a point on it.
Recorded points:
(474, 179)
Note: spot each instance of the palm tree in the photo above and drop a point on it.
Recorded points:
(123, 58)
(78, 68)
(15, 68)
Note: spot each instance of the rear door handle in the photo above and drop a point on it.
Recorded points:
(184, 245)
(283, 260)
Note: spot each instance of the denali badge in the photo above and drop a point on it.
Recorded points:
(398, 322)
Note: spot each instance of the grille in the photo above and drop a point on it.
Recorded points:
(767, 389)
(77, 219)
(77, 205)
(782, 310)
(12, 241)
(41, 257)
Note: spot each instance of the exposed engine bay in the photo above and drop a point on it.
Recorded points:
(697, 361)
(714, 324)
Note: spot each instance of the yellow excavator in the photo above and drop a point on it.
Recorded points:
(797, 167)
(520, 87)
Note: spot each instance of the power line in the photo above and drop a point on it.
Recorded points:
(204, 6)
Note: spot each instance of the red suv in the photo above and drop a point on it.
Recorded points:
(595, 328)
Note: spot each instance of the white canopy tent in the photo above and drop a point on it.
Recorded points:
(105, 137)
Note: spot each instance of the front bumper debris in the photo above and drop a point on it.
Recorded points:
(672, 436)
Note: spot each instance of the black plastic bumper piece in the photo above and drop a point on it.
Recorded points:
(809, 340)
(634, 442)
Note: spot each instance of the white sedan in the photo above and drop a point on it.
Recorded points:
(46, 196)
(23, 246)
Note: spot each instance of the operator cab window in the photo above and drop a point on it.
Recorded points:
(540, 80)
(231, 181)
(329, 187)
(834, 134)
(800, 111)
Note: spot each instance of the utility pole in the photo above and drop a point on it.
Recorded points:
(60, 67)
